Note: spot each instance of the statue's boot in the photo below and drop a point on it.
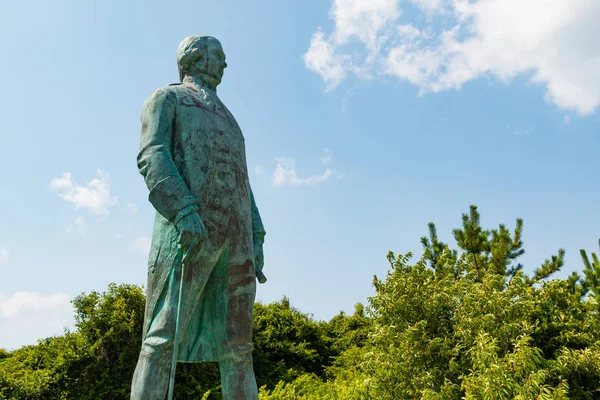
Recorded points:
(151, 378)
(237, 379)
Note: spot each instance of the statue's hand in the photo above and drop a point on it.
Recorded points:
(259, 258)
(191, 231)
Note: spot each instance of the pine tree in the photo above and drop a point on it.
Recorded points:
(591, 270)
(492, 250)
(433, 248)
(504, 249)
(473, 240)
(550, 266)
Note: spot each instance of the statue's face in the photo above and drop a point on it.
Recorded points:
(216, 62)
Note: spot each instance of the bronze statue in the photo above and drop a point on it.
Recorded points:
(193, 160)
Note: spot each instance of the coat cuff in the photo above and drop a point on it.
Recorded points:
(170, 196)
(184, 212)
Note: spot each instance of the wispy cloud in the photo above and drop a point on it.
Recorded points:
(285, 174)
(323, 59)
(94, 196)
(142, 245)
(327, 157)
(26, 317)
(259, 169)
(133, 207)
(462, 40)
(22, 303)
(4, 254)
(521, 130)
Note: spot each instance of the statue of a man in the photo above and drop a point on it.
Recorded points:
(193, 160)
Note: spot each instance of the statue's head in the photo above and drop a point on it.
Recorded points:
(201, 56)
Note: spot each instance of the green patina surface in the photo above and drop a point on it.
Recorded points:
(193, 159)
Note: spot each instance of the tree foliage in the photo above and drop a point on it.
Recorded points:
(468, 323)
(98, 359)
(464, 323)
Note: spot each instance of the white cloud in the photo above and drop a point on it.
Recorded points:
(95, 195)
(553, 42)
(26, 303)
(327, 158)
(4, 254)
(259, 170)
(322, 59)
(366, 20)
(133, 207)
(26, 317)
(369, 22)
(285, 174)
(142, 244)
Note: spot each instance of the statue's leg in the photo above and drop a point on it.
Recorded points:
(237, 378)
(235, 361)
(151, 377)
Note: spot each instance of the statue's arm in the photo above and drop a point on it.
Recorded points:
(169, 194)
(258, 230)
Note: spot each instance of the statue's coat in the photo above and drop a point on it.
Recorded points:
(193, 155)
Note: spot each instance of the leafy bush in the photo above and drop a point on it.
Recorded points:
(469, 323)
(463, 323)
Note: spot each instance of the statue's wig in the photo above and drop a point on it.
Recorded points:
(190, 51)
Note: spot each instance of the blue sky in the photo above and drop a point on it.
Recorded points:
(364, 120)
